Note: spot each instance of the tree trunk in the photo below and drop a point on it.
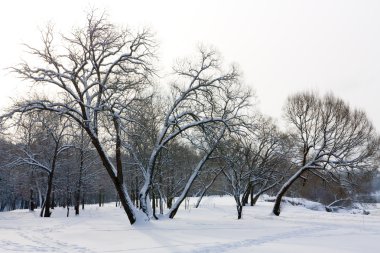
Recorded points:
(194, 175)
(48, 201)
(47, 204)
(83, 201)
(206, 188)
(40, 198)
(77, 202)
(117, 200)
(161, 204)
(31, 201)
(125, 201)
(119, 185)
(181, 198)
(239, 211)
(239, 206)
(53, 202)
(246, 193)
(200, 198)
(251, 196)
(154, 205)
(79, 184)
(276, 208)
(255, 198)
(100, 197)
(42, 209)
(137, 191)
(263, 189)
(169, 202)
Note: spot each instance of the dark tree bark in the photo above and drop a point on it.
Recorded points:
(100, 197)
(77, 204)
(79, 184)
(169, 202)
(83, 201)
(154, 205)
(255, 198)
(48, 201)
(239, 207)
(53, 201)
(32, 204)
(264, 188)
(283, 190)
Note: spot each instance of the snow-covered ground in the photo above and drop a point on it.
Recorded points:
(211, 228)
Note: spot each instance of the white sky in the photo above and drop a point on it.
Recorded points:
(281, 46)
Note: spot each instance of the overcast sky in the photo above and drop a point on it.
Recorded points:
(281, 46)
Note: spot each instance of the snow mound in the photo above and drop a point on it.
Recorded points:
(308, 204)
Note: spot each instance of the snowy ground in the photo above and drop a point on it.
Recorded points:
(211, 228)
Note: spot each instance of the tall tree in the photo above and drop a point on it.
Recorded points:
(98, 72)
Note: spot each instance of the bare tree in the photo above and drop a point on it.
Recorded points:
(266, 152)
(46, 143)
(235, 169)
(84, 159)
(98, 71)
(332, 141)
(207, 181)
(203, 97)
(253, 161)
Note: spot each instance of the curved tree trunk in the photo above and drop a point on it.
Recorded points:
(255, 198)
(118, 183)
(263, 190)
(246, 193)
(125, 201)
(181, 198)
(145, 189)
(194, 175)
(277, 204)
(200, 197)
(144, 199)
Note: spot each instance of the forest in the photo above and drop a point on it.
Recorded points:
(101, 125)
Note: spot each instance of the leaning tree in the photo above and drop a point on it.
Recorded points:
(332, 141)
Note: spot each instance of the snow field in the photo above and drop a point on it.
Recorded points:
(212, 227)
